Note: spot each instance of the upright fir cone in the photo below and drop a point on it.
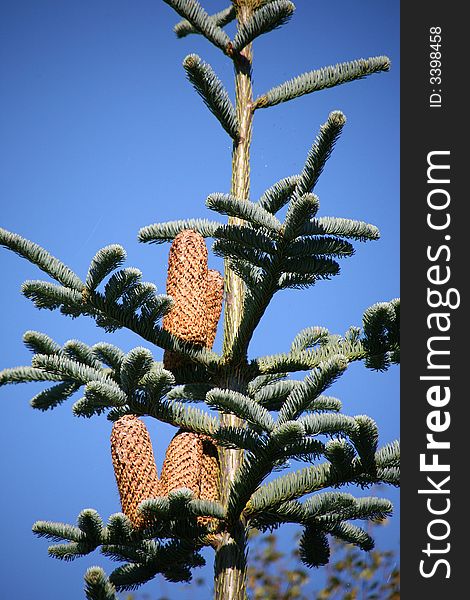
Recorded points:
(134, 465)
(191, 461)
(196, 292)
(215, 293)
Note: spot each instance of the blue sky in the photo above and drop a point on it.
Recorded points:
(101, 134)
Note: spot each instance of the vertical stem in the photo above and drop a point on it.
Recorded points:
(230, 559)
(230, 565)
(240, 188)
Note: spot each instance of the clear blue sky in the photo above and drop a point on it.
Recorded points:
(101, 134)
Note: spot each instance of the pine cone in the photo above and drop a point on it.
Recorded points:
(197, 295)
(187, 285)
(191, 461)
(134, 465)
(215, 293)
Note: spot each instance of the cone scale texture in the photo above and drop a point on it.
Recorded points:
(191, 461)
(187, 285)
(197, 294)
(134, 465)
(215, 293)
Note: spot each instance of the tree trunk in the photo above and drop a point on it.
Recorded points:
(230, 559)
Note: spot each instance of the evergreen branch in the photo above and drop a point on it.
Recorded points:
(325, 503)
(190, 392)
(226, 204)
(369, 508)
(237, 437)
(285, 433)
(313, 266)
(68, 552)
(290, 362)
(133, 552)
(69, 369)
(108, 354)
(277, 196)
(98, 586)
(40, 343)
(301, 209)
(309, 338)
(325, 511)
(155, 308)
(138, 295)
(157, 382)
(180, 415)
(348, 228)
(303, 449)
(256, 466)
(307, 359)
(193, 12)
(54, 396)
(338, 450)
(326, 403)
(81, 352)
(122, 317)
(206, 508)
(255, 303)
(292, 486)
(261, 381)
(135, 365)
(103, 263)
(120, 529)
(314, 550)
(265, 19)
(132, 575)
(98, 397)
(41, 258)
(271, 520)
(352, 534)
(381, 339)
(272, 396)
(156, 507)
(253, 470)
(315, 478)
(388, 455)
(365, 439)
(26, 375)
(112, 316)
(320, 79)
(327, 423)
(212, 92)
(247, 236)
(288, 512)
(296, 281)
(235, 251)
(90, 522)
(319, 245)
(82, 539)
(320, 152)
(158, 233)
(390, 475)
(222, 18)
(120, 282)
(311, 387)
(196, 354)
(51, 296)
(172, 560)
(179, 499)
(58, 532)
(237, 404)
(253, 276)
